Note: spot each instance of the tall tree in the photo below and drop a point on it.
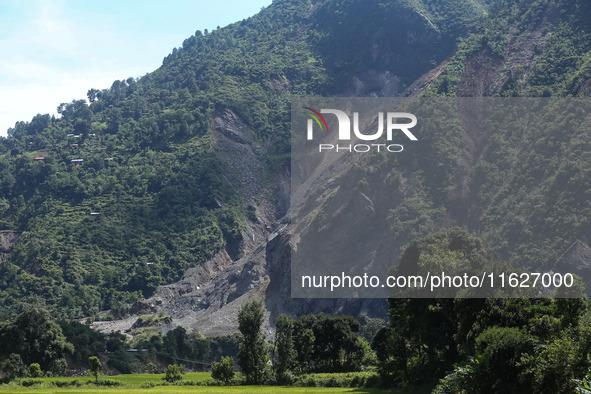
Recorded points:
(286, 353)
(94, 367)
(306, 349)
(252, 354)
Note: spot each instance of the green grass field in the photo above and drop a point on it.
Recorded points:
(137, 383)
(198, 389)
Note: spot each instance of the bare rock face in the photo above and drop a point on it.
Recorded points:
(6, 241)
(209, 303)
(374, 83)
(577, 260)
(208, 298)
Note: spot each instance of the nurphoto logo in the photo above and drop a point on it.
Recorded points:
(395, 122)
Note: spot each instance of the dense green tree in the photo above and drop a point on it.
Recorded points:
(252, 356)
(392, 356)
(370, 326)
(37, 338)
(499, 351)
(337, 345)
(330, 343)
(553, 368)
(284, 344)
(85, 340)
(491, 345)
(124, 362)
(223, 370)
(306, 349)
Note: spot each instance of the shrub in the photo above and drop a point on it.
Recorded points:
(108, 383)
(35, 370)
(223, 371)
(310, 382)
(61, 384)
(191, 383)
(29, 382)
(286, 378)
(14, 367)
(333, 381)
(372, 381)
(460, 380)
(357, 381)
(58, 367)
(173, 373)
(150, 367)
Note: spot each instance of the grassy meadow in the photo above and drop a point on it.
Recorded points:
(192, 382)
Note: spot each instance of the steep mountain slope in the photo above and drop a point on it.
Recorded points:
(477, 188)
(510, 55)
(524, 189)
(527, 193)
(188, 163)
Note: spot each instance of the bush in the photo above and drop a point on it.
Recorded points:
(29, 382)
(108, 383)
(373, 381)
(14, 367)
(58, 367)
(286, 378)
(150, 367)
(62, 384)
(333, 381)
(310, 382)
(460, 380)
(173, 373)
(191, 383)
(552, 368)
(223, 371)
(357, 381)
(35, 370)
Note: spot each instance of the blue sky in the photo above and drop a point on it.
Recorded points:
(53, 51)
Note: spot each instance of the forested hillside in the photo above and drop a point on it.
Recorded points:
(526, 192)
(123, 193)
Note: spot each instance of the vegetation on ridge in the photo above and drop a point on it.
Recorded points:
(119, 196)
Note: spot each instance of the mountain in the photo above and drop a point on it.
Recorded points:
(171, 192)
(159, 174)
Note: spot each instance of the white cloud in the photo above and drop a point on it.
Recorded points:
(52, 30)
